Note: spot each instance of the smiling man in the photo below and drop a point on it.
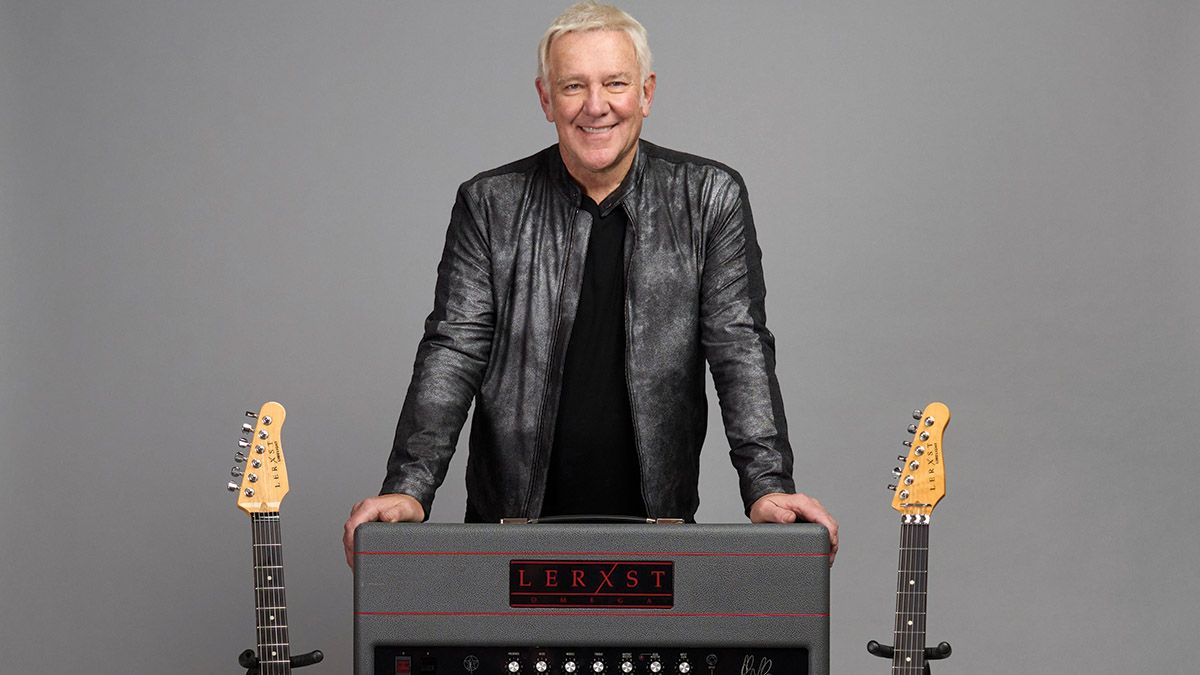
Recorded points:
(580, 293)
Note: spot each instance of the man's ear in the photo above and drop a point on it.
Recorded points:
(544, 99)
(648, 93)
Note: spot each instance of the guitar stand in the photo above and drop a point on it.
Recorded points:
(931, 653)
(249, 660)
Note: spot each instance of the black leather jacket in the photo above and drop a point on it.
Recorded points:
(507, 289)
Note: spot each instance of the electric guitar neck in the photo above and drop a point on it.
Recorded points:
(261, 490)
(921, 484)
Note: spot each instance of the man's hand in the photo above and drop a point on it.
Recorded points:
(779, 507)
(397, 508)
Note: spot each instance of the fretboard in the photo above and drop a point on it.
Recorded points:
(912, 582)
(270, 602)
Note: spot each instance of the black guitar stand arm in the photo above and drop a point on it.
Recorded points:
(931, 653)
(249, 660)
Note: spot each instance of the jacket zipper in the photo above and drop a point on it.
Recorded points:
(540, 450)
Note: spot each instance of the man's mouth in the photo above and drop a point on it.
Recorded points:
(597, 130)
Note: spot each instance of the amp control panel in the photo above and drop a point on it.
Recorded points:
(397, 660)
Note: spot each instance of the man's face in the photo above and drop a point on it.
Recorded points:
(594, 97)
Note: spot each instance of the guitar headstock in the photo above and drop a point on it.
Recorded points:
(921, 481)
(260, 462)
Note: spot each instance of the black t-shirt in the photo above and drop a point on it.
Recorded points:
(594, 464)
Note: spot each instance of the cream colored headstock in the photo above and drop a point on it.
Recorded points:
(921, 482)
(260, 464)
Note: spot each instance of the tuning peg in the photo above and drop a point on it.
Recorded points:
(896, 470)
(251, 414)
(890, 487)
(240, 458)
(907, 444)
(912, 428)
(249, 492)
(243, 443)
(232, 486)
(235, 471)
(901, 457)
(266, 419)
(916, 414)
(247, 428)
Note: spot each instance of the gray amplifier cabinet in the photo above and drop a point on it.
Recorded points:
(488, 586)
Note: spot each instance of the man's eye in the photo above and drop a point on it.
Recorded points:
(618, 85)
(572, 87)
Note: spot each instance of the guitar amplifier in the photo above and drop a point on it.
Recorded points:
(589, 599)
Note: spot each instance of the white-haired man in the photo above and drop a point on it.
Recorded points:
(580, 292)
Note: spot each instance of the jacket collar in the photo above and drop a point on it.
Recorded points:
(568, 186)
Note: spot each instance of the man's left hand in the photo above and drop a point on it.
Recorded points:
(779, 507)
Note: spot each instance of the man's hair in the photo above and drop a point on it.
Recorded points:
(590, 16)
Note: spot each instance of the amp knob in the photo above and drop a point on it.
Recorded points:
(541, 666)
(514, 666)
(684, 668)
(627, 666)
(597, 666)
(569, 666)
(656, 666)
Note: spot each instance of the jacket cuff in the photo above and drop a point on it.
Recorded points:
(766, 486)
(419, 492)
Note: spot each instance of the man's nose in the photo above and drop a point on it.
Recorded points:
(596, 104)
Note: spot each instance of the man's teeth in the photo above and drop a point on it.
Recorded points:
(597, 130)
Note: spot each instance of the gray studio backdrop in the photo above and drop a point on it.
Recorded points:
(205, 205)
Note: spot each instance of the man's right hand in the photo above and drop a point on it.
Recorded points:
(395, 508)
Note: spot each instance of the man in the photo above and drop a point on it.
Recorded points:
(579, 294)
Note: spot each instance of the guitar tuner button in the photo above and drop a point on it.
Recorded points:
(263, 434)
(900, 458)
(232, 486)
(924, 435)
(253, 478)
(892, 487)
(916, 414)
(251, 414)
(240, 458)
(243, 443)
(912, 428)
(267, 420)
(928, 421)
(907, 444)
(896, 470)
(249, 492)
(235, 471)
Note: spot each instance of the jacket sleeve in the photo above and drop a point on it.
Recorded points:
(451, 360)
(740, 350)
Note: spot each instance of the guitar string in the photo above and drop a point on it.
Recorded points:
(903, 640)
